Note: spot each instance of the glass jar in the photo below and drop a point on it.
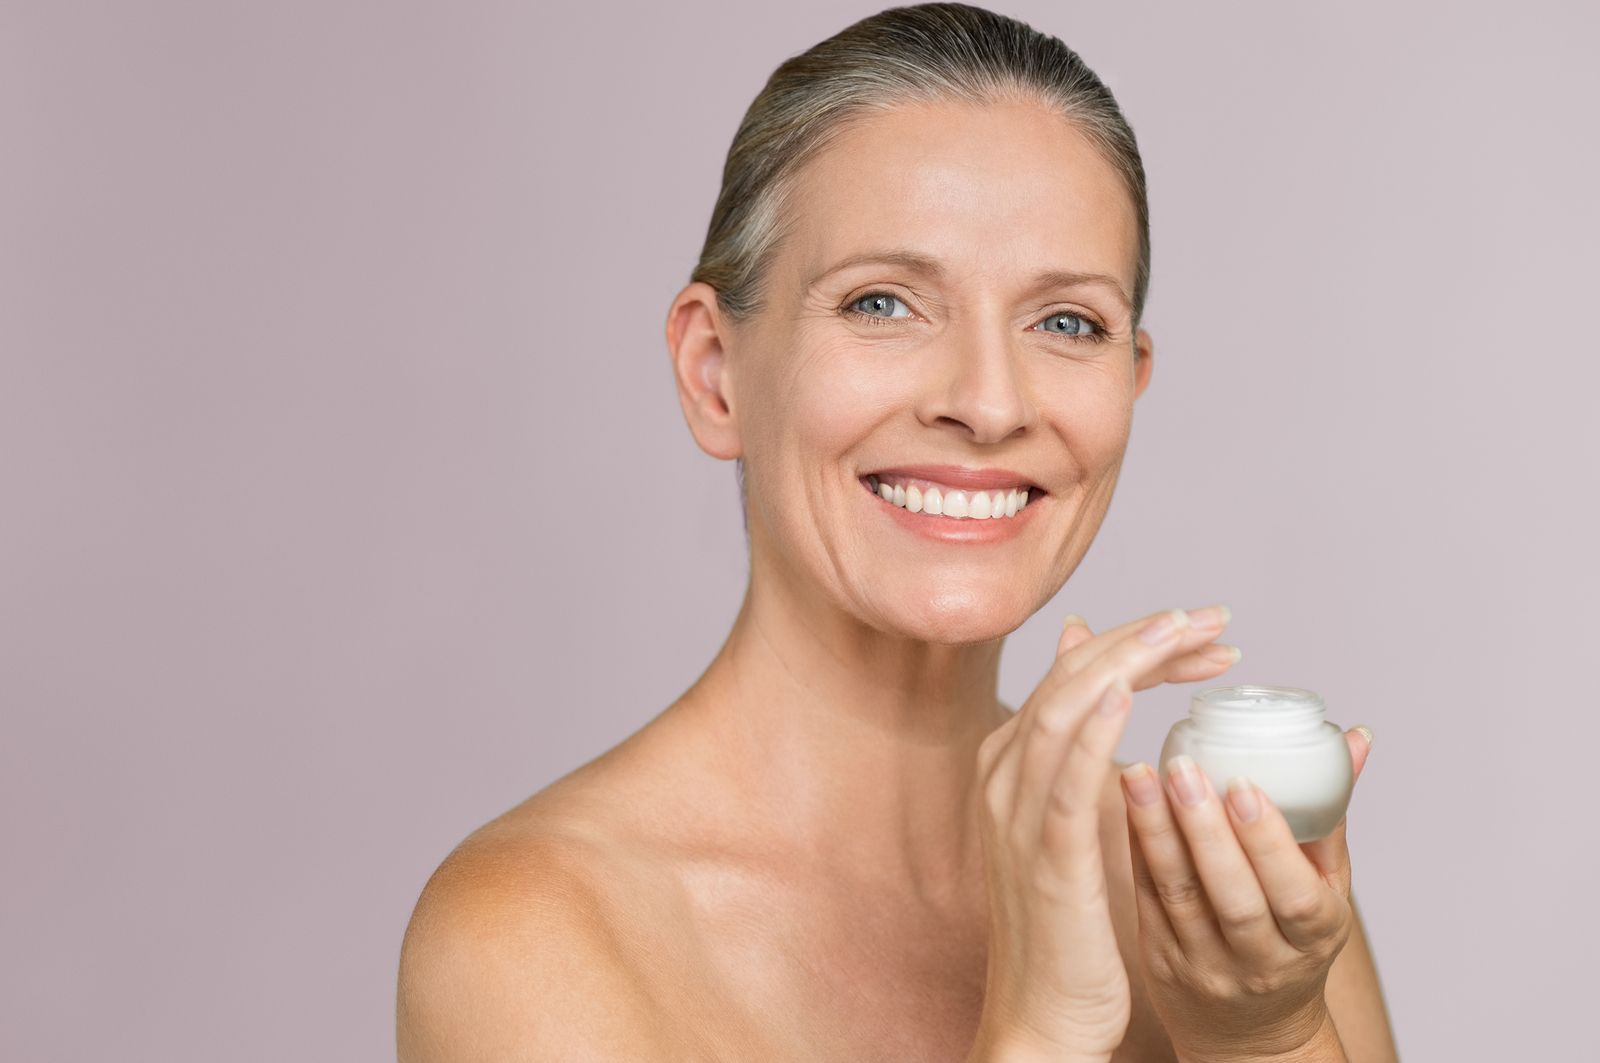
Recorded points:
(1277, 737)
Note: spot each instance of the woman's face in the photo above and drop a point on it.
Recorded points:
(953, 293)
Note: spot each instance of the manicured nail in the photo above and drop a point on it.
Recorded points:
(1185, 778)
(1142, 785)
(1222, 653)
(1073, 618)
(1364, 729)
(1242, 796)
(1164, 627)
(1211, 616)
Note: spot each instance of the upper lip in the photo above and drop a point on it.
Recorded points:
(958, 476)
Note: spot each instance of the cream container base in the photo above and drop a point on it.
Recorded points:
(1279, 739)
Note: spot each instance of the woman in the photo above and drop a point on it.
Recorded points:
(915, 325)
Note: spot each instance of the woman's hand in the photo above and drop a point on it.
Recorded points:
(1057, 987)
(1238, 924)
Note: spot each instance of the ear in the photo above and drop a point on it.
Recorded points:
(1145, 349)
(698, 338)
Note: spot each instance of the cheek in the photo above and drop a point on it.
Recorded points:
(834, 394)
(1093, 412)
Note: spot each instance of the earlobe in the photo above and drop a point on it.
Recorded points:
(1144, 352)
(697, 337)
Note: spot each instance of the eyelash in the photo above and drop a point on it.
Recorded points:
(1097, 336)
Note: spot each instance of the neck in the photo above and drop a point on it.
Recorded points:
(854, 750)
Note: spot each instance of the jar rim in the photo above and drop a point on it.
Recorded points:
(1242, 694)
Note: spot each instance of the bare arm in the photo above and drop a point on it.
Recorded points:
(1355, 1000)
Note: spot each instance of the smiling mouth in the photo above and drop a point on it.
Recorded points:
(933, 498)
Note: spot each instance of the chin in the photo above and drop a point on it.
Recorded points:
(959, 618)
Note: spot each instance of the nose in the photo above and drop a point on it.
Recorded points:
(979, 385)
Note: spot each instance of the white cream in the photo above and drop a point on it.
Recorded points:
(1277, 737)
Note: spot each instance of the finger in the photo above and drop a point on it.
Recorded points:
(1331, 854)
(1000, 756)
(1172, 883)
(1074, 629)
(1153, 919)
(1233, 891)
(1208, 662)
(1042, 741)
(1212, 618)
(1006, 762)
(1070, 831)
(1360, 741)
(1084, 652)
(1305, 909)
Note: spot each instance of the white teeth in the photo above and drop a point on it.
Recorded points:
(960, 505)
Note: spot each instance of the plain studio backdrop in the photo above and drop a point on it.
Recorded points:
(347, 500)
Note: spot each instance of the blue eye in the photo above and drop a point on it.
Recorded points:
(879, 307)
(1070, 324)
(879, 304)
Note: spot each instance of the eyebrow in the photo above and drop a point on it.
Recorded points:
(927, 265)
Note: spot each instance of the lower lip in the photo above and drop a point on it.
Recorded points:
(957, 530)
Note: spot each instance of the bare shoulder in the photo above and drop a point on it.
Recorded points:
(510, 955)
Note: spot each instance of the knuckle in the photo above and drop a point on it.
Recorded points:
(989, 750)
(996, 797)
(1163, 834)
(1219, 987)
(1241, 915)
(1053, 722)
(1302, 909)
(1067, 801)
(1077, 887)
(1179, 893)
(1261, 983)
(1161, 967)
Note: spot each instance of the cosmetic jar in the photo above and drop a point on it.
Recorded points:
(1277, 737)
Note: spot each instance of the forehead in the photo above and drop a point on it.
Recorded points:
(990, 190)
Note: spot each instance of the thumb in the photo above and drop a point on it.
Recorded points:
(1074, 630)
(1332, 853)
(1359, 739)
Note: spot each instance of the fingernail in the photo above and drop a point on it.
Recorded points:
(1242, 796)
(1186, 779)
(1073, 618)
(1222, 653)
(1142, 785)
(1164, 627)
(1210, 616)
(1364, 729)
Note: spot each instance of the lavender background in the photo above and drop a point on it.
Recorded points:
(317, 318)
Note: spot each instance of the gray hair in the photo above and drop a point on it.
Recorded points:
(921, 53)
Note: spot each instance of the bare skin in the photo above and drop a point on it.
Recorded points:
(727, 947)
(787, 863)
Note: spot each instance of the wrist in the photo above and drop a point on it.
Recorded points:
(1015, 1053)
(1002, 1049)
(1311, 1038)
